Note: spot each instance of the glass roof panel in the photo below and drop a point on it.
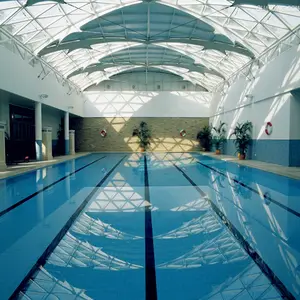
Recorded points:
(216, 34)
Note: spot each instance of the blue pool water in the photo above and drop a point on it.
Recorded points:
(149, 226)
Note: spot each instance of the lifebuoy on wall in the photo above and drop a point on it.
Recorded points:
(269, 128)
(182, 132)
(103, 133)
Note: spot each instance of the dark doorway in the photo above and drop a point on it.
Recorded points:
(21, 141)
(60, 146)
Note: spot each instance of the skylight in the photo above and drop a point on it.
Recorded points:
(203, 41)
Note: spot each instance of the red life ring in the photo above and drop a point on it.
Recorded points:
(103, 133)
(182, 133)
(269, 128)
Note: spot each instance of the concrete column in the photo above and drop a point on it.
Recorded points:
(47, 143)
(67, 143)
(2, 146)
(72, 141)
(38, 130)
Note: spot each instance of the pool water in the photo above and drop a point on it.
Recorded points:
(149, 226)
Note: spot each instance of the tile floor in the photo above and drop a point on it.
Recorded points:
(291, 172)
(21, 168)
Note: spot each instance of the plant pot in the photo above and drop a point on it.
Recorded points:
(142, 149)
(242, 156)
(218, 151)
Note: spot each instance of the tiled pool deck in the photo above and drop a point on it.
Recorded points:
(291, 172)
(21, 168)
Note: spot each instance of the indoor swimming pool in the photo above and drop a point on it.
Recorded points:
(149, 226)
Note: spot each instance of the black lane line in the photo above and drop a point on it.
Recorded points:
(5, 211)
(294, 212)
(285, 293)
(43, 258)
(151, 289)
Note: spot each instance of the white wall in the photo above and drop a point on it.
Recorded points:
(295, 117)
(265, 98)
(147, 104)
(18, 77)
(270, 98)
(275, 110)
(4, 109)
(150, 82)
(213, 107)
(279, 76)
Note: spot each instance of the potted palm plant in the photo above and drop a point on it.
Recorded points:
(242, 133)
(219, 136)
(204, 137)
(144, 135)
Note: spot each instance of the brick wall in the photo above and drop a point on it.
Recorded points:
(165, 133)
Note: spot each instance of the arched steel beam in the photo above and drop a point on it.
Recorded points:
(265, 3)
(211, 45)
(87, 43)
(96, 81)
(102, 66)
(89, 17)
(150, 70)
(141, 72)
(239, 44)
(218, 27)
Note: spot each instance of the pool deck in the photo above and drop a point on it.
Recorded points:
(291, 172)
(25, 167)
